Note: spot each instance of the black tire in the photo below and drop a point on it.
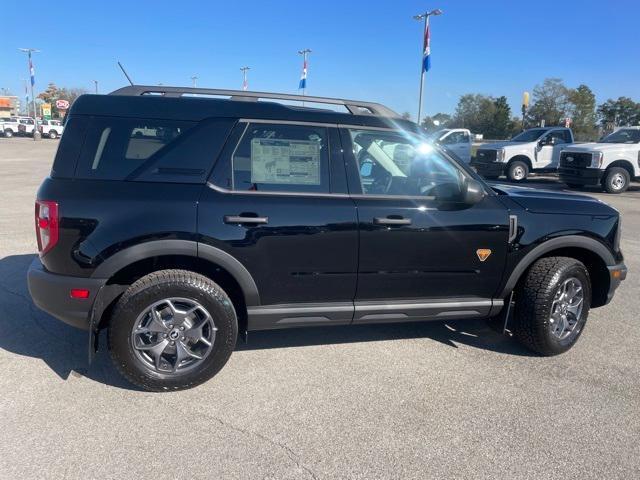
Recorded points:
(575, 186)
(8, 133)
(534, 298)
(53, 134)
(616, 180)
(517, 171)
(154, 288)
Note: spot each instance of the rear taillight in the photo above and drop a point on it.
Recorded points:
(46, 225)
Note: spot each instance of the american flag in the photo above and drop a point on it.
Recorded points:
(303, 78)
(32, 71)
(426, 61)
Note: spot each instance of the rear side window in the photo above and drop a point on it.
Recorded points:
(116, 147)
(69, 147)
(282, 158)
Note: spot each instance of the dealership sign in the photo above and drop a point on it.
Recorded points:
(62, 104)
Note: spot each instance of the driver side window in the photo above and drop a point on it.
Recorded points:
(401, 164)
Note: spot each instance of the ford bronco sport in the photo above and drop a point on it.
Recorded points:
(177, 219)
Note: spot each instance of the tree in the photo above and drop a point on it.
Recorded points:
(475, 112)
(583, 113)
(620, 112)
(500, 126)
(53, 93)
(406, 116)
(436, 122)
(550, 102)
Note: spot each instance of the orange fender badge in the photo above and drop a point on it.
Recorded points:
(483, 253)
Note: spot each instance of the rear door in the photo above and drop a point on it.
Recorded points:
(277, 202)
(419, 258)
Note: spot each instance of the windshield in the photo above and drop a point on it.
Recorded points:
(529, 135)
(625, 135)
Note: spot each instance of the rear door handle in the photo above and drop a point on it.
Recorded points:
(242, 219)
(391, 221)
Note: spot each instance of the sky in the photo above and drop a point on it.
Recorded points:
(365, 50)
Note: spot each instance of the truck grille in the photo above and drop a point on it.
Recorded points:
(575, 159)
(485, 156)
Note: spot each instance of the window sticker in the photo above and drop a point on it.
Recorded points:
(285, 161)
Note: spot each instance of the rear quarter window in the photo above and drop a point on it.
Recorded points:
(70, 147)
(151, 150)
(115, 147)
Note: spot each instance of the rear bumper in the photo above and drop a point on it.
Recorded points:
(617, 273)
(583, 176)
(492, 169)
(52, 293)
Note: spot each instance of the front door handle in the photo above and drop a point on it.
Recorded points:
(391, 221)
(245, 219)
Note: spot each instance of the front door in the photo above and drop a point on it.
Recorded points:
(549, 148)
(277, 202)
(459, 143)
(420, 257)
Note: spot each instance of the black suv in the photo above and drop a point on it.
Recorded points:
(177, 219)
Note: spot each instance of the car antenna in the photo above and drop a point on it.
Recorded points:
(125, 73)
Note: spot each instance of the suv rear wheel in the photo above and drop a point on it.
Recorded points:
(517, 171)
(172, 330)
(552, 305)
(616, 180)
(8, 133)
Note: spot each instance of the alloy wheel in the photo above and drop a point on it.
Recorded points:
(566, 308)
(173, 335)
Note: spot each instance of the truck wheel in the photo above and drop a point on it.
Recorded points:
(552, 305)
(53, 135)
(8, 133)
(172, 330)
(616, 180)
(517, 171)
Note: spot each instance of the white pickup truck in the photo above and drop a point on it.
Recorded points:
(535, 150)
(51, 128)
(612, 162)
(456, 141)
(10, 126)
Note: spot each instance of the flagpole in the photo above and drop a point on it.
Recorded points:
(424, 16)
(36, 132)
(422, 70)
(304, 54)
(245, 85)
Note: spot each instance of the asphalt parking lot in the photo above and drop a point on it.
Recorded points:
(432, 400)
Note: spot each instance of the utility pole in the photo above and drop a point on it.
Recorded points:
(96, 83)
(36, 132)
(245, 84)
(194, 78)
(426, 50)
(525, 105)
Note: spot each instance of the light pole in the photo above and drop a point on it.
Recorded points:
(425, 51)
(525, 105)
(245, 84)
(194, 80)
(36, 131)
(96, 84)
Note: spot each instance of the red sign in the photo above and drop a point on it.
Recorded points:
(62, 104)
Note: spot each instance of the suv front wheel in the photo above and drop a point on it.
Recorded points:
(552, 305)
(171, 330)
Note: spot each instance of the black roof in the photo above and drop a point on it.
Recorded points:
(193, 108)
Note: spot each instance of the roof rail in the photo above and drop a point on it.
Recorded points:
(354, 107)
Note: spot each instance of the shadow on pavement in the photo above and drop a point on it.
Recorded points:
(26, 330)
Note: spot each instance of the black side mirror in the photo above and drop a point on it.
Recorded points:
(473, 192)
(469, 193)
